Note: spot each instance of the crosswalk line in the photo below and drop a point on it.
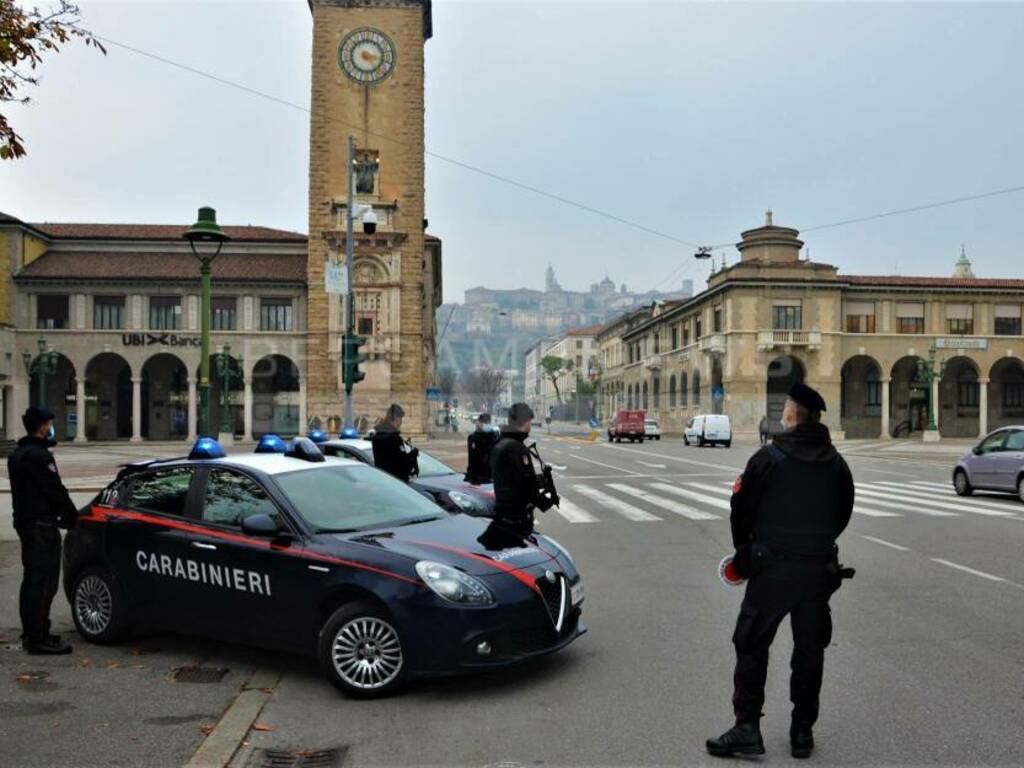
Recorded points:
(623, 508)
(996, 499)
(676, 490)
(859, 509)
(922, 497)
(573, 513)
(885, 499)
(663, 503)
(713, 488)
(941, 486)
(998, 508)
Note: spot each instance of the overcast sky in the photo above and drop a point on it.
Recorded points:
(690, 119)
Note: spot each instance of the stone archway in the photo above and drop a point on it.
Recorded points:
(275, 396)
(783, 373)
(959, 399)
(108, 398)
(164, 398)
(1006, 393)
(909, 397)
(860, 409)
(58, 395)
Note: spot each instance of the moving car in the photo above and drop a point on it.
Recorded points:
(322, 556)
(651, 429)
(708, 429)
(445, 485)
(994, 464)
(628, 425)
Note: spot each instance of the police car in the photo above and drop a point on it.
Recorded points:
(445, 485)
(288, 549)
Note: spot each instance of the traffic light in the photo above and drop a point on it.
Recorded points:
(351, 358)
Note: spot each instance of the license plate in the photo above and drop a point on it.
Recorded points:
(577, 593)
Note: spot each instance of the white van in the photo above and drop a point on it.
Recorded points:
(710, 429)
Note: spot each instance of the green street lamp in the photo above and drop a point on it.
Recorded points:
(44, 365)
(927, 374)
(205, 239)
(227, 375)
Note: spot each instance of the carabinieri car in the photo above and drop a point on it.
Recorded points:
(318, 555)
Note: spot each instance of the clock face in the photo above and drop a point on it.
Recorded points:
(367, 55)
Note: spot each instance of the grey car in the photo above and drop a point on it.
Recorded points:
(994, 464)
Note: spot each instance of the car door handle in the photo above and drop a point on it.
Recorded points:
(320, 568)
(202, 545)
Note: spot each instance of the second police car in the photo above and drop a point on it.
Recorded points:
(318, 555)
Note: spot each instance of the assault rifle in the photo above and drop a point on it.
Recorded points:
(547, 477)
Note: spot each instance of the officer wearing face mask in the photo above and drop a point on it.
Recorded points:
(479, 445)
(41, 504)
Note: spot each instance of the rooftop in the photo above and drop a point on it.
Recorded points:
(180, 265)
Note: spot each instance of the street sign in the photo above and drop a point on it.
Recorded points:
(960, 342)
(335, 278)
(433, 394)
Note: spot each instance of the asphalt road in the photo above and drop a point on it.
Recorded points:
(925, 667)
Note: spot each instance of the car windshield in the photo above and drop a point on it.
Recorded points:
(431, 466)
(353, 498)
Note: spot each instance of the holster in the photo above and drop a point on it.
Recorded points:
(751, 559)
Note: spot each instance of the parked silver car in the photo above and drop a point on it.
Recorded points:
(994, 464)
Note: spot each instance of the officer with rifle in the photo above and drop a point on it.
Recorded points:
(518, 490)
(789, 506)
(479, 444)
(391, 452)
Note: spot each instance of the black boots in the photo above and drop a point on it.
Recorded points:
(741, 739)
(53, 645)
(801, 741)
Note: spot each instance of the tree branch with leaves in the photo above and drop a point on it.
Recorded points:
(26, 36)
(554, 367)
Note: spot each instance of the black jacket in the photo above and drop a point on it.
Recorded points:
(479, 445)
(517, 488)
(390, 454)
(37, 494)
(795, 496)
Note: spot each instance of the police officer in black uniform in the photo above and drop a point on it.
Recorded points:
(390, 451)
(41, 504)
(791, 503)
(479, 444)
(517, 489)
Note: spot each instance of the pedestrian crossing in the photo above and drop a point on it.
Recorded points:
(647, 499)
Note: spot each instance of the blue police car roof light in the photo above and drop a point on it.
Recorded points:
(318, 436)
(206, 448)
(271, 444)
(349, 433)
(305, 449)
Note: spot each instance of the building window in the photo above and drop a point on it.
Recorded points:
(672, 391)
(1007, 319)
(223, 312)
(696, 328)
(860, 323)
(967, 394)
(275, 314)
(1013, 394)
(656, 344)
(696, 387)
(718, 319)
(910, 325)
(52, 311)
(108, 313)
(165, 313)
(787, 317)
(675, 337)
(682, 389)
(873, 394)
(579, 343)
(364, 326)
(960, 326)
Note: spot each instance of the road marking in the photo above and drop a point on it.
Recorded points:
(975, 504)
(965, 569)
(616, 505)
(668, 504)
(674, 458)
(885, 543)
(609, 466)
(714, 488)
(652, 466)
(701, 497)
(942, 486)
(879, 498)
(922, 497)
(575, 448)
(574, 514)
(869, 512)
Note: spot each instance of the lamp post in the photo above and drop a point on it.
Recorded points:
(205, 239)
(926, 372)
(226, 377)
(44, 365)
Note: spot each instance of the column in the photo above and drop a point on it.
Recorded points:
(136, 409)
(982, 407)
(886, 384)
(303, 417)
(193, 409)
(935, 401)
(247, 409)
(80, 411)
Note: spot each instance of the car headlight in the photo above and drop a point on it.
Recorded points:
(465, 502)
(453, 585)
(562, 551)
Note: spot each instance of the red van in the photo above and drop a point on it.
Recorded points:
(627, 425)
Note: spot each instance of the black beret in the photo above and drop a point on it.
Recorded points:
(35, 417)
(807, 397)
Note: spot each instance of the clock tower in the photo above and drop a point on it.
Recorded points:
(367, 83)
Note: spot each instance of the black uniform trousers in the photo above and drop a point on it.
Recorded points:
(40, 559)
(801, 591)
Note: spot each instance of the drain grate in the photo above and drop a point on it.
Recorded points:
(297, 758)
(200, 674)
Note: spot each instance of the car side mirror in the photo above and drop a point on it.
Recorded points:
(976, 450)
(260, 525)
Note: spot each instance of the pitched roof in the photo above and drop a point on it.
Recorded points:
(590, 330)
(88, 265)
(80, 231)
(932, 282)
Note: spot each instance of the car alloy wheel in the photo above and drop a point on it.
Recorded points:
(367, 653)
(961, 484)
(94, 605)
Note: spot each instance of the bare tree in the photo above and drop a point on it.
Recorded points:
(483, 386)
(446, 381)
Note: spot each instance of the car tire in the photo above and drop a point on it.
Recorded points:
(700, 442)
(727, 443)
(99, 607)
(1020, 487)
(961, 484)
(359, 640)
(686, 441)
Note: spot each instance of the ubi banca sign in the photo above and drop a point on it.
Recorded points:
(158, 339)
